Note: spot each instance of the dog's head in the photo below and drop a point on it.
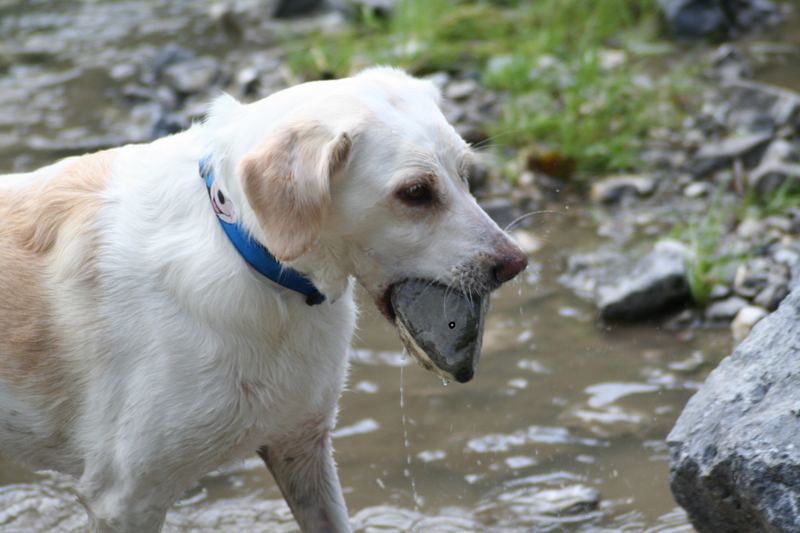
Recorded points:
(366, 175)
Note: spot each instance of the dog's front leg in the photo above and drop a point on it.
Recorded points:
(306, 474)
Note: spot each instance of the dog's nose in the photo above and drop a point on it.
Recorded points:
(511, 262)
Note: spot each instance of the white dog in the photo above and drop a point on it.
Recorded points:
(147, 335)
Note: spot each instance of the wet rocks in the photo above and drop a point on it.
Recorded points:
(614, 189)
(294, 8)
(694, 19)
(191, 76)
(771, 176)
(725, 310)
(716, 155)
(656, 283)
(747, 317)
(735, 462)
(776, 106)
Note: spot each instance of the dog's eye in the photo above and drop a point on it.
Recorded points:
(417, 194)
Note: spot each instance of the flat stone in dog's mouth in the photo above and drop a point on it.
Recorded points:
(441, 327)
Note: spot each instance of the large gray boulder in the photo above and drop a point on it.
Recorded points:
(735, 450)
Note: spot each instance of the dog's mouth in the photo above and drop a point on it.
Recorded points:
(442, 328)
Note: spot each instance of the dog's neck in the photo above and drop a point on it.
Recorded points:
(325, 265)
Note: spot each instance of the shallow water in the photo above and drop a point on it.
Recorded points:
(561, 429)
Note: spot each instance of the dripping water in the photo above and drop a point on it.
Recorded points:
(407, 470)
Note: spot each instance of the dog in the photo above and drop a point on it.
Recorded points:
(170, 307)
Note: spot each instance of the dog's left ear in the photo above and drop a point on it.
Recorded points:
(287, 182)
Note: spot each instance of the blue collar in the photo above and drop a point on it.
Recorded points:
(252, 251)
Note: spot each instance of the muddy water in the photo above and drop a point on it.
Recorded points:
(561, 411)
(562, 428)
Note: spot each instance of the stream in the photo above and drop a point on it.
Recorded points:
(562, 428)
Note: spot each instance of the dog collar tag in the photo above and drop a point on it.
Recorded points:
(253, 252)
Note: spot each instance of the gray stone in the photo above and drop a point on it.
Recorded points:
(781, 105)
(745, 319)
(725, 310)
(735, 460)
(773, 175)
(755, 275)
(716, 155)
(614, 189)
(192, 76)
(441, 327)
(719, 291)
(461, 89)
(771, 296)
(293, 8)
(696, 189)
(656, 284)
(694, 19)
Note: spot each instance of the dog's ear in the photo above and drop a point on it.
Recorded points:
(287, 182)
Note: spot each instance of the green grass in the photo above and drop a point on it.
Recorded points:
(546, 55)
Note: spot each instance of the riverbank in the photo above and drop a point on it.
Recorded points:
(564, 424)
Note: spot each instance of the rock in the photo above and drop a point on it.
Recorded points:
(782, 224)
(780, 105)
(734, 458)
(773, 175)
(755, 275)
(719, 291)
(294, 8)
(689, 19)
(694, 19)
(716, 155)
(169, 55)
(440, 79)
(656, 283)
(614, 189)
(192, 76)
(725, 310)
(442, 328)
(461, 89)
(745, 319)
(778, 167)
(730, 64)
(771, 297)
(696, 189)
(749, 228)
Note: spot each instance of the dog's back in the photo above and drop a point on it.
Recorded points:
(47, 264)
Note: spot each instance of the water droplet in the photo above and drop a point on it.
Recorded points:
(452, 325)
(407, 471)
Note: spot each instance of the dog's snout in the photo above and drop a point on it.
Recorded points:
(510, 263)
